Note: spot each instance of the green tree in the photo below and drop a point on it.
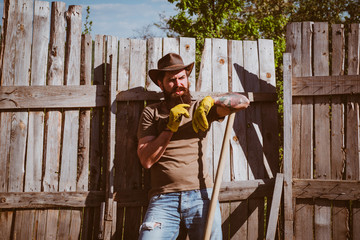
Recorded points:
(88, 23)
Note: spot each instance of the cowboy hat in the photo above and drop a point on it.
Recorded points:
(168, 63)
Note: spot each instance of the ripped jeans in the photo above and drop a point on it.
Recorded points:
(167, 211)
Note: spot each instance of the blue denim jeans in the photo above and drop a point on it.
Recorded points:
(166, 212)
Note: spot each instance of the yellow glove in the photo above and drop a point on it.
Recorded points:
(199, 120)
(175, 116)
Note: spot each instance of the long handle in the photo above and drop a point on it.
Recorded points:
(218, 178)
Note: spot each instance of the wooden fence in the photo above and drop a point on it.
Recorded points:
(321, 128)
(69, 109)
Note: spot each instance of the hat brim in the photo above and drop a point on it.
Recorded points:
(154, 73)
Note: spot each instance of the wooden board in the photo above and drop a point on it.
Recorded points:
(154, 46)
(187, 53)
(322, 164)
(340, 211)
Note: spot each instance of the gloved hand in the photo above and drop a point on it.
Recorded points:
(199, 120)
(175, 116)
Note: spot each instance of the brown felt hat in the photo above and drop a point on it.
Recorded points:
(168, 63)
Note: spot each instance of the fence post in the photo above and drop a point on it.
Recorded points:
(288, 208)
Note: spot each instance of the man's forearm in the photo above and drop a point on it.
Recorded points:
(150, 151)
(231, 102)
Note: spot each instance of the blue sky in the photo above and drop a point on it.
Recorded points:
(121, 18)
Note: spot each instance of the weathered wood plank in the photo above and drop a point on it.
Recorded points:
(326, 189)
(34, 155)
(96, 136)
(238, 140)
(71, 117)
(84, 122)
(275, 205)
(254, 138)
(187, 53)
(269, 110)
(154, 52)
(322, 163)
(340, 211)
(288, 146)
(326, 85)
(34, 97)
(51, 199)
(171, 45)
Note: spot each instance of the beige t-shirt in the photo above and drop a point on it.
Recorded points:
(182, 166)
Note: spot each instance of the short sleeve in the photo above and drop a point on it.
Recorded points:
(146, 125)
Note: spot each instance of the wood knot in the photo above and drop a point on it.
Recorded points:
(2, 200)
(235, 138)
(221, 61)
(268, 75)
(187, 47)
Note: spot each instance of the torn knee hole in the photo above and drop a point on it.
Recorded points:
(151, 225)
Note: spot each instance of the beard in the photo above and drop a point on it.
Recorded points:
(172, 99)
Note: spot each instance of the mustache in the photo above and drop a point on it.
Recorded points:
(178, 89)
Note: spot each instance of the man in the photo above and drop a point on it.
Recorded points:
(172, 143)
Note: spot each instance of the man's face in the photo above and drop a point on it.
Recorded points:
(174, 83)
(175, 86)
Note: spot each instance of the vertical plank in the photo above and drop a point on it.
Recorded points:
(16, 67)
(187, 52)
(238, 140)
(34, 153)
(82, 183)
(53, 118)
(71, 122)
(220, 84)
(84, 123)
(238, 143)
(154, 52)
(132, 176)
(69, 157)
(288, 148)
(322, 164)
(171, 45)
(204, 84)
(352, 122)
(340, 212)
(96, 137)
(254, 138)
(121, 129)
(269, 109)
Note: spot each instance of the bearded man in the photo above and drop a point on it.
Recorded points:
(172, 143)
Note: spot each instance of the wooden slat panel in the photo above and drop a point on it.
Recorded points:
(269, 110)
(84, 122)
(352, 122)
(96, 137)
(34, 155)
(187, 53)
(238, 140)
(254, 138)
(171, 45)
(34, 97)
(322, 164)
(238, 143)
(326, 189)
(326, 85)
(71, 122)
(154, 52)
(137, 63)
(340, 212)
(288, 148)
(53, 118)
(16, 68)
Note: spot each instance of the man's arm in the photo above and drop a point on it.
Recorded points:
(229, 103)
(151, 148)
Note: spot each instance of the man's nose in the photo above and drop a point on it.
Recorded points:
(178, 82)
